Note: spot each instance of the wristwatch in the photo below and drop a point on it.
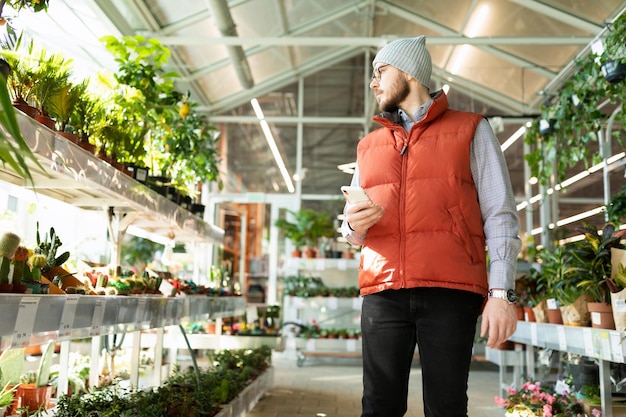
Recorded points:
(508, 295)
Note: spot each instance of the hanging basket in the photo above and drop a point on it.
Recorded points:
(614, 71)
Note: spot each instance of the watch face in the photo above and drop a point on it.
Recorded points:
(511, 296)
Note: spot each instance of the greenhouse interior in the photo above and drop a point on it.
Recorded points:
(175, 241)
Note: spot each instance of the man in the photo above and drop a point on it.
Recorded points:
(440, 192)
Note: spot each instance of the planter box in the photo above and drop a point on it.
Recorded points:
(249, 397)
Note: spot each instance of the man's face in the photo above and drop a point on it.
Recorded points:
(390, 87)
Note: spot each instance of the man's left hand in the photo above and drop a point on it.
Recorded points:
(499, 321)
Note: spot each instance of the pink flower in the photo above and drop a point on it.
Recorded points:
(547, 410)
(596, 412)
(500, 401)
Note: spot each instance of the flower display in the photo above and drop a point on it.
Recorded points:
(532, 399)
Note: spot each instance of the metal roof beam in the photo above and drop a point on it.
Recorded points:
(282, 80)
(369, 41)
(559, 15)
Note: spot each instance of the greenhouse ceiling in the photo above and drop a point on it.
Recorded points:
(307, 63)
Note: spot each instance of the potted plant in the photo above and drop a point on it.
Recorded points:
(294, 230)
(61, 107)
(533, 397)
(306, 228)
(7, 396)
(9, 242)
(35, 391)
(51, 75)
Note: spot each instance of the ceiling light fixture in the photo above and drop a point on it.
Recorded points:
(514, 137)
(272, 144)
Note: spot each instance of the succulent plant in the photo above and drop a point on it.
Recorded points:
(18, 261)
(48, 248)
(8, 245)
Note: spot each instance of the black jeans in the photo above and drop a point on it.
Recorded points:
(443, 324)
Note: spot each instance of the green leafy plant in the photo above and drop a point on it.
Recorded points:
(575, 113)
(63, 103)
(616, 209)
(51, 76)
(14, 151)
(591, 260)
(306, 227)
(7, 395)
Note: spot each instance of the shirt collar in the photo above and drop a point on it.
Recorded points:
(417, 116)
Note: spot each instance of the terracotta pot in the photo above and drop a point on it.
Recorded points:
(27, 109)
(33, 397)
(70, 136)
(6, 288)
(529, 314)
(47, 121)
(519, 310)
(601, 315)
(20, 289)
(554, 316)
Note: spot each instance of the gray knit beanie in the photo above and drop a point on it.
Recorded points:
(408, 55)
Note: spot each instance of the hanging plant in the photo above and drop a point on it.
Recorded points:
(574, 115)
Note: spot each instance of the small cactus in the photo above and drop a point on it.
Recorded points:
(19, 264)
(37, 262)
(8, 245)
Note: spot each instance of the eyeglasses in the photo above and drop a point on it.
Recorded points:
(376, 73)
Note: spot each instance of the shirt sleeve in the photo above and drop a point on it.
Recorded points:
(354, 238)
(497, 206)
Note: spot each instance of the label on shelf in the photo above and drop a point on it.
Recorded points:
(560, 330)
(351, 345)
(332, 303)
(141, 310)
(97, 318)
(67, 318)
(616, 347)
(27, 311)
(588, 342)
(252, 314)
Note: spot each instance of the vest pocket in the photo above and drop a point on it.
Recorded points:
(460, 228)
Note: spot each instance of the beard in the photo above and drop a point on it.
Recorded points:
(396, 96)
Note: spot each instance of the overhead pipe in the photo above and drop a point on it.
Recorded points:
(226, 25)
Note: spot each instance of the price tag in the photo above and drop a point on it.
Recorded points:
(27, 311)
(533, 334)
(342, 264)
(552, 304)
(616, 347)
(320, 264)
(588, 341)
(562, 340)
(67, 318)
(619, 306)
(357, 302)
(97, 318)
(251, 314)
(310, 344)
(141, 310)
(332, 303)
(351, 345)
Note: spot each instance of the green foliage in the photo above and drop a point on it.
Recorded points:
(48, 247)
(182, 394)
(307, 227)
(575, 113)
(591, 260)
(616, 209)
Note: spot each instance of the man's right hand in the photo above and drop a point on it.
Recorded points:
(362, 216)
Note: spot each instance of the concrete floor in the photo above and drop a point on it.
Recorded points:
(329, 387)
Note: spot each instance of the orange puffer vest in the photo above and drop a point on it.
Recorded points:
(431, 234)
